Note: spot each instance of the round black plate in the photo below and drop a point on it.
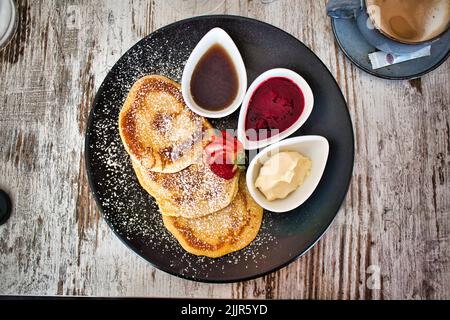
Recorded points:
(357, 49)
(133, 214)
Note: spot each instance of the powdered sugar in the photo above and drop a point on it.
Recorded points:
(129, 210)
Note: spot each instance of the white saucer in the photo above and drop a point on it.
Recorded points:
(8, 21)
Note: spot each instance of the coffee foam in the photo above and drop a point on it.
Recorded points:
(410, 20)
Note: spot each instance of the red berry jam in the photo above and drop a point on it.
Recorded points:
(277, 103)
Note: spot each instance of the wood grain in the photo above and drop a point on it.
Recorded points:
(390, 239)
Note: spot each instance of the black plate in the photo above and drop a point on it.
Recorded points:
(133, 214)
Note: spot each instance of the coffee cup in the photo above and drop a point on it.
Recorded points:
(396, 26)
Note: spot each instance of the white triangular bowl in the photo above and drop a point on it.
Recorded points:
(214, 36)
(308, 107)
(316, 148)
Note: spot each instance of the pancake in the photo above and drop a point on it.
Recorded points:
(222, 232)
(192, 192)
(157, 129)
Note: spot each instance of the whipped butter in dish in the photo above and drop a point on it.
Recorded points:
(282, 174)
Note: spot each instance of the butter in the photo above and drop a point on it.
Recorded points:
(282, 173)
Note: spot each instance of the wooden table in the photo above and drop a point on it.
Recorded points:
(389, 240)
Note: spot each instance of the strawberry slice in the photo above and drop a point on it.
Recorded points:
(225, 171)
(225, 154)
(214, 147)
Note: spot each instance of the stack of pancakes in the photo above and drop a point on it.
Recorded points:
(207, 214)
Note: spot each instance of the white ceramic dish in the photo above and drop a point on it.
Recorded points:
(308, 99)
(214, 36)
(315, 148)
(8, 21)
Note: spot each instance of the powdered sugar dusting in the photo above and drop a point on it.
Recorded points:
(129, 210)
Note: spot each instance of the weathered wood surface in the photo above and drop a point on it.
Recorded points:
(392, 231)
